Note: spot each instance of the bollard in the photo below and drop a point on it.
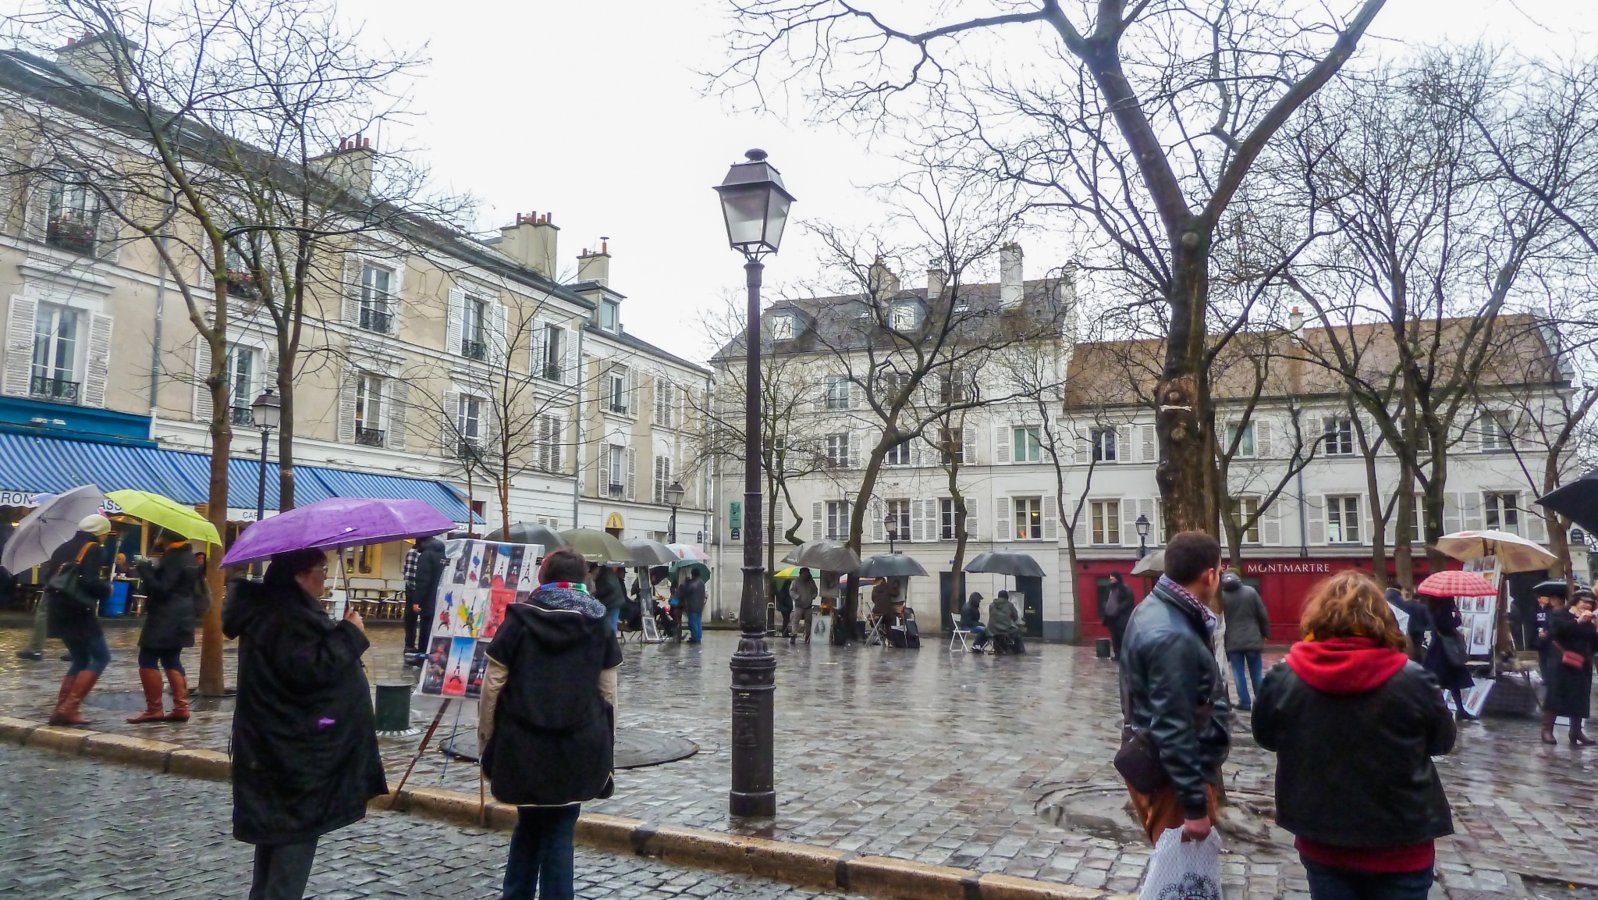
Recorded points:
(394, 708)
(1101, 648)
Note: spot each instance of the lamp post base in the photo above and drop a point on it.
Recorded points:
(754, 686)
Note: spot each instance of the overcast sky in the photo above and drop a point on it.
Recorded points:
(592, 110)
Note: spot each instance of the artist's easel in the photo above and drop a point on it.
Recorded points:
(432, 728)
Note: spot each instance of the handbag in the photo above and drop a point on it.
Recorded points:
(66, 583)
(1454, 649)
(1138, 760)
(1570, 659)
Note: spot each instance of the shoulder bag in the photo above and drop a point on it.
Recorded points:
(67, 583)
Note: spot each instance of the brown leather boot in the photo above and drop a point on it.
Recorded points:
(150, 680)
(67, 713)
(66, 689)
(1548, 728)
(1577, 737)
(180, 696)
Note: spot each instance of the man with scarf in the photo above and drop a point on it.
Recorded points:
(1172, 691)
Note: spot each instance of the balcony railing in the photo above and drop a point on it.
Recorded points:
(474, 349)
(378, 320)
(552, 373)
(241, 416)
(467, 448)
(369, 437)
(617, 407)
(60, 390)
(616, 491)
(71, 233)
(241, 284)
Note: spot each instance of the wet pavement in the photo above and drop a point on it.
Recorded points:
(952, 759)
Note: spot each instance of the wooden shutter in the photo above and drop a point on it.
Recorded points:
(968, 445)
(352, 288)
(1148, 440)
(1003, 527)
(346, 406)
(455, 323)
(108, 227)
(535, 349)
(35, 224)
(632, 475)
(818, 521)
(97, 365)
(876, 510)
(1129, 513)
(1453, 512)
(857, 442)
(1317, 520)
(499, 332)
(449, 425)
(1271, 524)
(918, 525)
(1001, 444)
(631, 398)
(1472, 518)
(1123, 443)
(18, 374)
(202, 368)
(1051, 518)
(970, 520)
(1262, 439)
(572, 366)
(1536, 527)
(399, 404)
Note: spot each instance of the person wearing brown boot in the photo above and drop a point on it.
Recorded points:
(171, 609)
(75, 587)
(1574, 635)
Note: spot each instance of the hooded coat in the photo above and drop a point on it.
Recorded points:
(429, 572)
(305, 757)
(1002, 618)
(171, 586)
(1247, 623)
(1347, 713)
(65, 618)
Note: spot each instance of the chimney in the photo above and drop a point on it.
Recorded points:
(1010, 289)
(350, 166)
(937, 279)
(96, 59)
(594, 265)
(531, 242)
(881, 281)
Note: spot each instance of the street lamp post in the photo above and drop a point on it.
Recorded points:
(1142, 524)
(266, 413)
(674, 496)
(891, 523)
(755, 206)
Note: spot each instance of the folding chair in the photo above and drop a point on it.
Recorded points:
(959, 636)
(874, 633)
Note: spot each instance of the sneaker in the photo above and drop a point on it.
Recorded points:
(30, 654)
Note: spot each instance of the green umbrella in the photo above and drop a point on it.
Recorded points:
(678, 567)
(597, 546)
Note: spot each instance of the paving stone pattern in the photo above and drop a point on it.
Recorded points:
(168, 837)
(946, 759)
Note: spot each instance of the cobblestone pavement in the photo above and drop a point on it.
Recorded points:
(955, 759)
(62, 836)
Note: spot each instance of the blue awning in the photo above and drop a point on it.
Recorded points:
(50, 465)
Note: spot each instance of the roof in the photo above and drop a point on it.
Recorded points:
(627, 339)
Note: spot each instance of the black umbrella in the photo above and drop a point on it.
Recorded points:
(1005, 562)
(528, 533)
(1555, 588)
(828, 556)
(890, 565)
(1577, 500)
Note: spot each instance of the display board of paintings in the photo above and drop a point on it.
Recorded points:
(481, 580)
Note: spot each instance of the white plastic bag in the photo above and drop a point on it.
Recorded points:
(1183, 871)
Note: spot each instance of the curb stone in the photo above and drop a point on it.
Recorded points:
(786, 861)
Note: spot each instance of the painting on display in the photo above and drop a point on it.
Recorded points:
(481, 580)
(1478, 611)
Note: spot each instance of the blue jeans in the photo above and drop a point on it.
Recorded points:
(614, 618)
(696, 626)
(1252, 659)
(1327, 883)
(90, 654)
(540, 863)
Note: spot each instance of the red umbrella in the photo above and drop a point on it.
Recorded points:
(1454, 583)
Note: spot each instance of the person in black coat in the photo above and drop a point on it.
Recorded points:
(171, 591)
(420, 599)
(691, 591)
(305, 758)
(971, 620)
(1574, 635)
(1354, 725)
(546, 722)
(1116, 611)
(1445, 657)
(74, 617)
(611, 592)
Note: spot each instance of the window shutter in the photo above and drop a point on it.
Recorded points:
(918, 525)
(455, 323)
(1051, 518)
(1129, 510)
(1536, 525)
(1003, 527)
(36, 222)
(97, 366)
(631, 397)
(1317, 520)
(1149, 438)
(632, 474)
(1262, 438)
(557, 445)
(19, 346)
(399, 404)
(1001, 444)
(449, 423)
(968, 445)
(352, 289)
(970, 521)
(572, 370)
(202, 367)
(1083, 448)
(857, 442)
(1453, 509)
(499, 333)
(108, 228)
(1271, 525)
(876, 511)
(1472, 507)
(346, 406)
(535, 349)
(818, 521)
(1123, 443)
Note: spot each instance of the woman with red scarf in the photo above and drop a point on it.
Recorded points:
(1354, 725)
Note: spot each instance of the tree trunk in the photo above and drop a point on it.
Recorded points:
(285, 432)
(1378, 527)
(211, 639)
(1186, 471)
(857, 526)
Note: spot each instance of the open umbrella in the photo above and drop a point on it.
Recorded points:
(680, 565)
(597, 546)
(793, 572)
(1577, 500)
(646, 552)
(49, 526)
(689, 551)
(1454, 583)
(828, 556)
(890, 565)
(1005, 562)
(1514, 553)
(1152, 564)
(166, 513)
(1554, 588)
(528, 533)
(335, 523)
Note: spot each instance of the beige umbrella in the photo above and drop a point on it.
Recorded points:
(1152, 564)
(1514, 553)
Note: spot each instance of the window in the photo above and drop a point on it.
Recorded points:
(1342, 519)
(1028, 518)
(897, 520)
(662, 479)
(665, 403)
(837, 392)
(616, 471)
(609, 316)
(946, 519)
(616, 390)
(1497, 432)
(474, 328)
(241, 386)
(549, 443)
(837, 520)
(468, 419)
(783, 328)
(1104, 444)
(1245, 439)
(377, 298)
(1105, 519)
(1244, 509)
(552, 363)
(366, 559)
(837, 451)
(898, 454)
(906, 316)
(951, 444)
(1502, 509)
(55, 355)
(369, 410)
(1417, 515)
(1337, 436)
(1025, 443)
(952, 387)
(73, 216)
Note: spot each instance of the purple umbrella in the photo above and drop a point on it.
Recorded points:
(334, 523)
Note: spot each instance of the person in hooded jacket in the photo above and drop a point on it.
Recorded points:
(1354, 724)
(546, 723)
(305, 757)
(1571, 631)
(78, 625)
(171, 604)
(1004, 625)
(971, 620)
(611, 592)
(1247, 625)
(422, 597)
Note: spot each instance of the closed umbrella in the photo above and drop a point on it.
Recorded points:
(49, 526)
(335, 523)
(890, 565)
(828, 556)
(597, 546)
(1514, 553)
(166, 513)
(1005, 562)
(528, 533)
(646, 552)
(1152, 564)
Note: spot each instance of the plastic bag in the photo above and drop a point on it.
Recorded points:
(1183, 871)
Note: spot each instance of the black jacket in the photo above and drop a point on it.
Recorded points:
(305, 758)
(553, 741)
(429, 572)
(1247, 624)
(171, 586)
(1119, 601)
(1169, 674)
(971, 613)
(1355, 769)
(692, 594)
(608, 589)
(64, 618)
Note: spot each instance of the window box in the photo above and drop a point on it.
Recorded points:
(70, 233)
(241, 284)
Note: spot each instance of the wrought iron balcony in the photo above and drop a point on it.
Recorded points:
(60, 390)
(616, 491)
(241, 416)
(378, 320)
(369, 437)
(474, 349)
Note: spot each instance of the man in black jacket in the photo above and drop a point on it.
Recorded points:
(1115, 610)
(419, 603)
(1172, 689)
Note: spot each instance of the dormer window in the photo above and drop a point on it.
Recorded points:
(609, 316)
(783, 328)
(906, 315)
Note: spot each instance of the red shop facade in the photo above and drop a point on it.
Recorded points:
(1283, 584)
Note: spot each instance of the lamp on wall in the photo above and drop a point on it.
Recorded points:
(1143, 526)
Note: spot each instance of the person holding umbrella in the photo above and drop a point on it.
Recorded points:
(1574, 635)
(1448, 651)
(804, 592)
(171, 588)
(74, 590)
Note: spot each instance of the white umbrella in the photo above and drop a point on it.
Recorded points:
(48, 527)
(1514, 553)
(1152, 564)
